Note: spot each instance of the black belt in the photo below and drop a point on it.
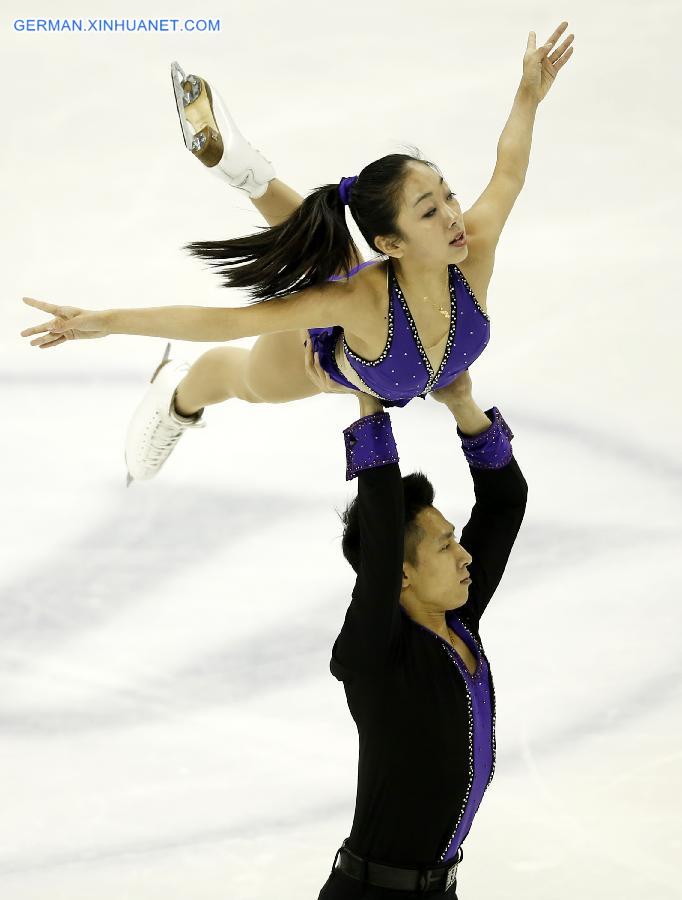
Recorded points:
(438, 878)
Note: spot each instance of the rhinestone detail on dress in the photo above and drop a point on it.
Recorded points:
(471, 293)
(492, 694)
(471, 749)
(389, 341)
(432, 376)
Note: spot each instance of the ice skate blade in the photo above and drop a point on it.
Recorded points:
(194, 103)
(178, 78)
(162, 363)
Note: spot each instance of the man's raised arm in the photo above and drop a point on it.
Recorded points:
(501, 492)
(373, 620)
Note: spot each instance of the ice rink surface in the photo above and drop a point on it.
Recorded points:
(169, 728)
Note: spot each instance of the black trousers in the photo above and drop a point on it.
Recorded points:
(340, 886)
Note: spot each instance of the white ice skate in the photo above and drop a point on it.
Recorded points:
(210, 133)
(156, 427)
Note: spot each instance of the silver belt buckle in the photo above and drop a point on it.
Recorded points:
(452, 872)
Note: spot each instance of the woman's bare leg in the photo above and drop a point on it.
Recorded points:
(220, 373)
(278, 202)
(272, 371)
(215, 376)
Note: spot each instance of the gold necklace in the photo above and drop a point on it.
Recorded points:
(443, 312)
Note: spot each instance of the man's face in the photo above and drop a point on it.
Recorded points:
(437, 581)
(430, 223)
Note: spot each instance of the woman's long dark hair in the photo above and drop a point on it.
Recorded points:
(314, 242)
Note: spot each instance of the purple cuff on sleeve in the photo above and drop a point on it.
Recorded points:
(491, 449)
(369, 443)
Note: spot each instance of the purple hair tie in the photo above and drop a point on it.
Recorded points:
(344, 188)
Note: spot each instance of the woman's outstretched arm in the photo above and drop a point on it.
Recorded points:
(313, 307)
(319, 306)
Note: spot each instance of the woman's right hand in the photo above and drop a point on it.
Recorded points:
(324, 381)
(320, 376)
(69, 324)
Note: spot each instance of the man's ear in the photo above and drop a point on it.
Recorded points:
(406, 578)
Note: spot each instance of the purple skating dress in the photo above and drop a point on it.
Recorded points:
(403, 370)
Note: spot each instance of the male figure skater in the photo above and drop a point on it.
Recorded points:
(409, 654)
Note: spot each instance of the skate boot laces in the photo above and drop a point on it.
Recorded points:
(163, 434)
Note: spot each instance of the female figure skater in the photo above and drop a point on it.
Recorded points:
(399, 328)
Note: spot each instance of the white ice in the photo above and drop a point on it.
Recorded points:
(169, 728)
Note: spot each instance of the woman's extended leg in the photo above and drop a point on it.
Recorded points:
(272, 371)
(221, 373)
(278, 202)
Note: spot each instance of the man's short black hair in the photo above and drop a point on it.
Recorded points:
(418, 492)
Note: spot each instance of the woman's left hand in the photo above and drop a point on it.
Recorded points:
(541, 65)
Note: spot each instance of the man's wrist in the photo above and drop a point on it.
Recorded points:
(471, 419)
(369, 443)
(490, 448)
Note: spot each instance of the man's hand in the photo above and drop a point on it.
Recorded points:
(457, 392)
